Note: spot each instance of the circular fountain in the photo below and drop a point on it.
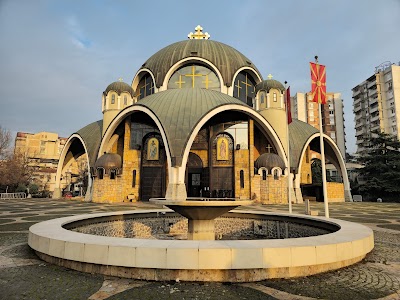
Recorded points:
(252, 245)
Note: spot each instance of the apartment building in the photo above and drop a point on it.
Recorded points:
(376, 104)
(304, 109)
(42, 150)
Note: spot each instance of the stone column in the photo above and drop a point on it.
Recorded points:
(201, 229)
(176, 189)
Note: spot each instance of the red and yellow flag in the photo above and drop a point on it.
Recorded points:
(288, 108)
(318, 83)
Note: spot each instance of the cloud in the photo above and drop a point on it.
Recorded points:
(78, 38)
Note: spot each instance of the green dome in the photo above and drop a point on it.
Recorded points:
(226, 59)
(119, 87)
(109, 161)
(180, 110)
(268, 84)
(269, 161)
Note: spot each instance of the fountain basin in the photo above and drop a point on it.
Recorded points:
(201, 213)
(217, 260)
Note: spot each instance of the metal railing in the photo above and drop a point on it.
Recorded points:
(12, 195)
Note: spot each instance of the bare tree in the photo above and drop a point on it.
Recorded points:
(5, 140)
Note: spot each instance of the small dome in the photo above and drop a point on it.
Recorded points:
(119, 87)
(270, 84)
(109, 161)
(269, 161)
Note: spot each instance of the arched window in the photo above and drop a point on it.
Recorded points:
(194, 76)
(112, 99)
(276, 174)
(125, 100)
(241, 179)
(100, 172)
(244, 86)
(145, 87)
(264, 174)
(275, 97)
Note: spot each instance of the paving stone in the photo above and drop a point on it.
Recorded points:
(24, 276)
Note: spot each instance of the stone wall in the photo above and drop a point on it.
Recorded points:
(335, 191)
(131, 162)
(270, 191)
(107, 190)
(242, 163)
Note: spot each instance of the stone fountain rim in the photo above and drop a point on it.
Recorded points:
(216, 260)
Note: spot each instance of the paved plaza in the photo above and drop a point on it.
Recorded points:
(24, 276)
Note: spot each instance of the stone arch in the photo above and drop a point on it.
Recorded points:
(142, 72)
(332, 152)
(74, 148)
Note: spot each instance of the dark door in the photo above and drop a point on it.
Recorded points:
(194, 184)
(194, 175)
(152, 178)
(152, 183)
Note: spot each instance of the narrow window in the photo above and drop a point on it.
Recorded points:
(264, 175)
(241, 179)
(100, 171)
(113, 174)
(276, 176)
(134, 178)
(125, 100)
(275, 98)
(112, 99)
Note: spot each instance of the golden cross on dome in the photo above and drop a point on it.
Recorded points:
(270, 76)
(198, 35)
(120, 79)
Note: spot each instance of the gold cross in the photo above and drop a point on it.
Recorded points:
(270, 76)
(193, 75)
(180, 81)
(151, 86)
(238, 88)
(207, 81)
(246, 84)
(120, 79)
(269, 148)
(198, 35)
(145, 85)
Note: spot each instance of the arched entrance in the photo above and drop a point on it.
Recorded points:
(194, 176)
(153, 167)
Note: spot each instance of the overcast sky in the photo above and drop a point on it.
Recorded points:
(57, 57)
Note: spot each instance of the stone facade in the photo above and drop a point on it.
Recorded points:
(335, 191)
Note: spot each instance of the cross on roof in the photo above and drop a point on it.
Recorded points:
(270, 76)
(269, 148)
(120, 79)
(198, 35)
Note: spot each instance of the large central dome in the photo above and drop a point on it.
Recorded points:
(225, 58)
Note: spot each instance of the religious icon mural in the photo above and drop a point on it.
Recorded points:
(152, 149)
(222, 149)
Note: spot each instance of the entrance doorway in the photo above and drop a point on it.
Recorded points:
(194, 176)
(152, 183)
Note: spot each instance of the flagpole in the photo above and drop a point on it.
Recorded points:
(288, 152)
(321, 143)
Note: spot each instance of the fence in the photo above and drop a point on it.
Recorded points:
(12, 195)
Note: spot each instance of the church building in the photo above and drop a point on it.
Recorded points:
(198, 120)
